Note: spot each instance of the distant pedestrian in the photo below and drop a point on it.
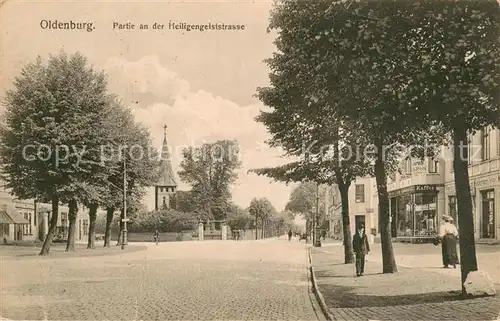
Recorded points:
(448, 234)
(156, 237)
(289, 235)
(361, 248)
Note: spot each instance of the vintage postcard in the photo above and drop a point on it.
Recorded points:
(249, 160)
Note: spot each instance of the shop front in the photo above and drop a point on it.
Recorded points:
(414, 213)
(485, 192)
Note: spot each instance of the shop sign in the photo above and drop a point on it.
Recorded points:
(419, 167)
(402, 191)
(425, 188)
(450, 189)
(414, 189)
(486, 181)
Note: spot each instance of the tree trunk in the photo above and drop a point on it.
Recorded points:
(468, 260)
(120, 230)
(52, 228)
(388, 261)
(346, 224)
(72, 213)
(110, 212)
(92, 218)
(256, 229)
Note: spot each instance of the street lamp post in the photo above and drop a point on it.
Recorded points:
(317, 238)
(125, 219)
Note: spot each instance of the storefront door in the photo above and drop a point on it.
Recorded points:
(488, 214)
(358, 220)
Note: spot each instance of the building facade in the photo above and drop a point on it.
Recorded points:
(37, 216)
(424, 190)
(362, 208)
(484, 177)
(417, 200)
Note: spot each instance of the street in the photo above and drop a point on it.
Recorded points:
(210, 280)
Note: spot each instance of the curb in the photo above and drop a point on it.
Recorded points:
(317, 293)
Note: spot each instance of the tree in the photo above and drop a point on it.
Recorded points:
(53, 114)
(456, 45)
(128, 149)
(210, 170)
(183, 201)
(351, 62)
(261, 210)
(238, 218)
(297, 122)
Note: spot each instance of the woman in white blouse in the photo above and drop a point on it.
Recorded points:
(448, 234)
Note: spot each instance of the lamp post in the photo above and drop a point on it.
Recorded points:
(125, 219)
(317, 238)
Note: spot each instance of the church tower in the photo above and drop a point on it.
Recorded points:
(166, 187)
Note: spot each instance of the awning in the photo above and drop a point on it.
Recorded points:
(11, 216)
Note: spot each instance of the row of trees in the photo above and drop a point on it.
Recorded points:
(364, 74)
(66, 139)
(260, 216)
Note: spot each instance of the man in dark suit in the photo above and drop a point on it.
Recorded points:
(360, 247)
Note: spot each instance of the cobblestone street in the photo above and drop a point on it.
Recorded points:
(211, 280)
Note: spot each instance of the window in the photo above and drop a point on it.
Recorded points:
(452, 207)
(164, 201)
(85, 224)
(432, 165)
(488, 214)
(360, 193)
(64, 221)
(407, 166)
(470, 149)
(27, 227)
(498, 141)
(485, 144)
(425, 209)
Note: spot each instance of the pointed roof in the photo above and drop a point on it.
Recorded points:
(166, 172)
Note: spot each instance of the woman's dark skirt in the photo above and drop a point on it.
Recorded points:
(449, 250)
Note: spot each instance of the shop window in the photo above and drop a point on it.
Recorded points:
(485, 144)
(432, 165)
(425, 214)
(405, 217)
(360, 193)
(27, 227)
(488, 214)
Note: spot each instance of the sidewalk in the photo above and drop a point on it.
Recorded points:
(411, 294)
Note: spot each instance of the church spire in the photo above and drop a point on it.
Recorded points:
(167, 173)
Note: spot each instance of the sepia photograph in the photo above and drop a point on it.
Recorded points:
(250, 160)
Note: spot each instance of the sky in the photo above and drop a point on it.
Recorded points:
(199, 84)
